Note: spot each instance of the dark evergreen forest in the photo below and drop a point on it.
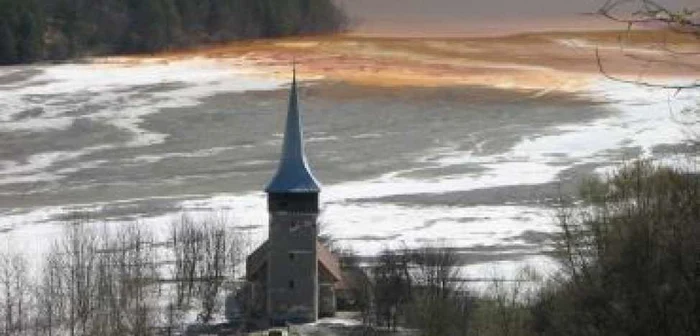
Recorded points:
(33, 30)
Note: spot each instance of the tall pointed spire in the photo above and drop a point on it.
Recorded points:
(293, 174)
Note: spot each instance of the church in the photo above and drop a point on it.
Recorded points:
(292, 277)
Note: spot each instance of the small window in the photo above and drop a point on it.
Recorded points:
(291, 284)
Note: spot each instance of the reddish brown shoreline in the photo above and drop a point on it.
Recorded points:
(539, 62)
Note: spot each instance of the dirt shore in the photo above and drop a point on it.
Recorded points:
(538, 62)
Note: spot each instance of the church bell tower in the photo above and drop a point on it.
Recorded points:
(292, 200)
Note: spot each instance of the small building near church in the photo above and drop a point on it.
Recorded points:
(292, 276)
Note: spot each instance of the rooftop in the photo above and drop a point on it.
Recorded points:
(293, 174)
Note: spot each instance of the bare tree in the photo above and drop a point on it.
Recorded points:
(99, 284)
(393, 286)
(441, 305)
(631, 257)
(79, 255)
(50, 296)
(135, 271)
(213, 267)
(206, 253)
(648, 13)
(685, 21)
(185, 240)
(15, 293)
(102, 282)
(421, 289)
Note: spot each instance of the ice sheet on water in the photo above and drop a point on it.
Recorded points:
(120, 94)
(642, 118)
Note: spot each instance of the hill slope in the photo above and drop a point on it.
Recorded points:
(32, 30)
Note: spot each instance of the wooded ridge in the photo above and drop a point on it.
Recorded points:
(33, 30)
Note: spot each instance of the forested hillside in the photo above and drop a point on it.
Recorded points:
(32, 30)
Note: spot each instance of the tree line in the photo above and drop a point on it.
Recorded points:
(630, 265)
(628, 250)
(33, 30)
(121, 281)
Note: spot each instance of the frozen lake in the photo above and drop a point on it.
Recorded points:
(474, 168)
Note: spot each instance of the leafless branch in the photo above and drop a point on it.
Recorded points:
(649, 12)
(604, 72)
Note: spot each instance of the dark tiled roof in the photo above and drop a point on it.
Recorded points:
(258, 259)
(329, 261)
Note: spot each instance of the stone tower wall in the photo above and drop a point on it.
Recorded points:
(293, 264)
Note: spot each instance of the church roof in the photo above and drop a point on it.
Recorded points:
(293, 174)
(257, 260)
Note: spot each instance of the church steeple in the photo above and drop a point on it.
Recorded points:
(293, 174)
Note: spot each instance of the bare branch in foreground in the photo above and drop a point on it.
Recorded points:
(604, 72)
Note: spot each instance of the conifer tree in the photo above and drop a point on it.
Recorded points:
(30, 33)
(8, 46)
(55, 29)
